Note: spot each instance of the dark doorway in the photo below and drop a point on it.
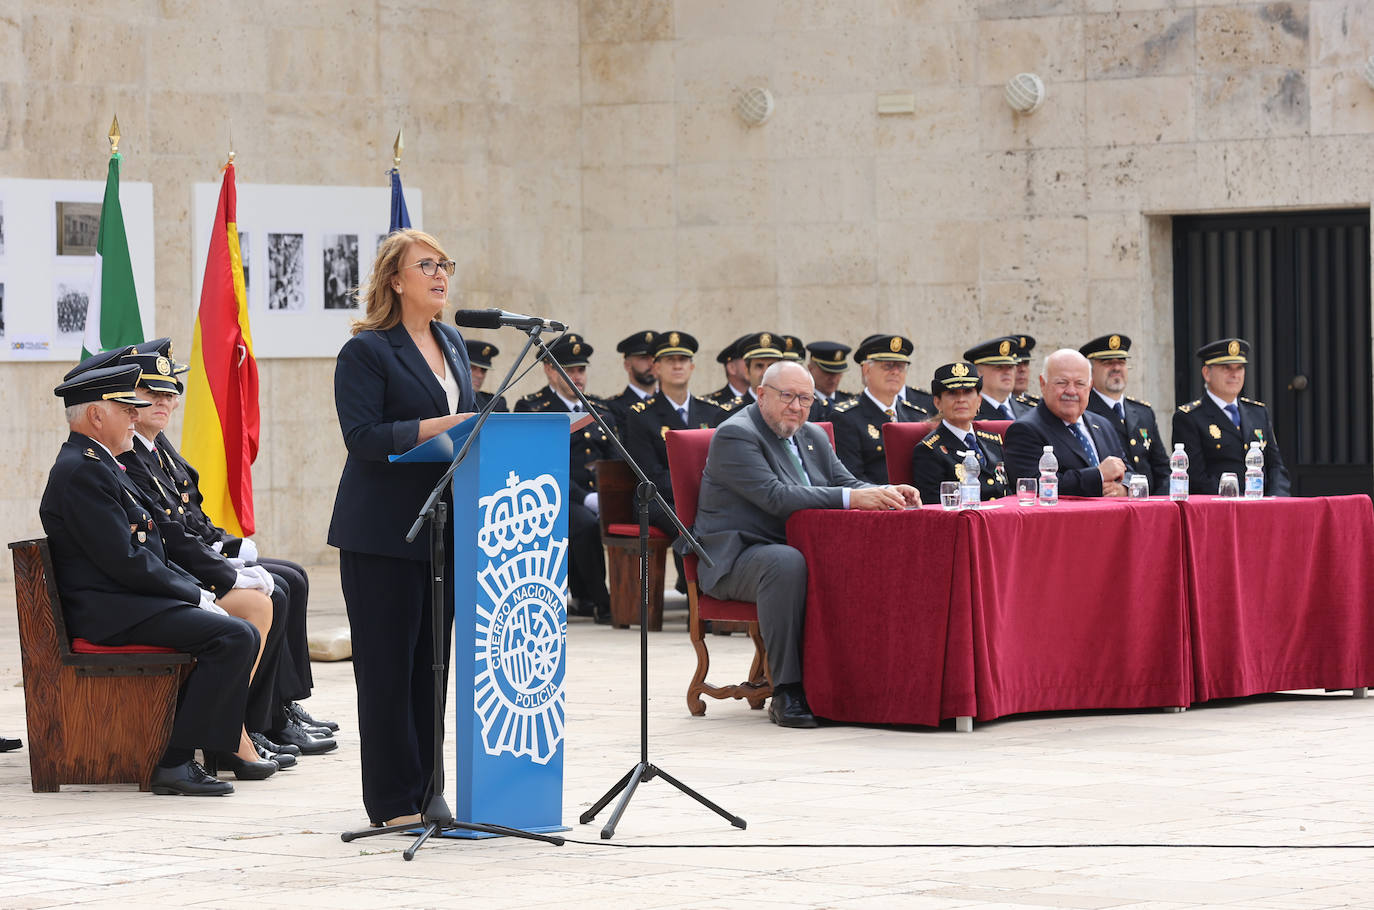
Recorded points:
(1296, 286)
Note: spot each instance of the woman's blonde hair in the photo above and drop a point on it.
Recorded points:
(381, 303)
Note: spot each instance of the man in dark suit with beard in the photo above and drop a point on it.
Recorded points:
(1091, 461)
(765, 463)
(1134, 421)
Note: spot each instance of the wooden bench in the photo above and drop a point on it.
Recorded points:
(96, 715)
(615, 485)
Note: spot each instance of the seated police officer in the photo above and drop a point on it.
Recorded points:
(940, 456)
(997, 360)
(1021, 386)
(828, 363)
(1216, 430)
(480, 354)
(858, 423)
(731, 358)
(586, 561)
(118, 587)
(292, 730)
(1134, 421)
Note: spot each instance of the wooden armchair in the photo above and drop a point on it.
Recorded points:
(615, 484)
(96, 715)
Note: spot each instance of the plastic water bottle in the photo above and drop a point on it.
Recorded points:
(1049, 477)
(1178, 473)
(1254, 472)
(969, 493)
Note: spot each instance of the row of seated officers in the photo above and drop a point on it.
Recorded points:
(138, 562)
(1099, 433)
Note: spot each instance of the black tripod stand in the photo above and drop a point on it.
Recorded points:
(645, 494)
(436, 818)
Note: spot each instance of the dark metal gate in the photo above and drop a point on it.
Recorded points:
(1296, 286)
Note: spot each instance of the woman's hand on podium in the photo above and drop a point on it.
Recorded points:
(433, 426)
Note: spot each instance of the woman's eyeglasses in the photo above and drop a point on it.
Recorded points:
(429, 268)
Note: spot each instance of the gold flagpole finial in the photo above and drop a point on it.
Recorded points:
(114, 134)
(396, 150)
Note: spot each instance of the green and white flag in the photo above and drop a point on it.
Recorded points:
(112, 318)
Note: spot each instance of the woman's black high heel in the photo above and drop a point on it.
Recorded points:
(243, 770)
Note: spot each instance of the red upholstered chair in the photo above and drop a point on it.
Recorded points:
(899, 439)
(686, 460)
(829, 430)
(615, 485)
(993, 426)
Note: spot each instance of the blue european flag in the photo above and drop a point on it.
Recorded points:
(400, 218)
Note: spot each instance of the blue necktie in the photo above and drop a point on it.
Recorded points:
(1120, 414)
(972, 442)
(1083, 441)
(1006, 412)
(682, 413)
(1234, 411)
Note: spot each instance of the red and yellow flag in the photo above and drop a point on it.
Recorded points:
(220, 433)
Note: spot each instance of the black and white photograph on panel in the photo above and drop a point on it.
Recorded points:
(2, 310)
(2, 227)
(71, 300)
(78, 226)
(340, 271)
(244, 247)
(286, 272)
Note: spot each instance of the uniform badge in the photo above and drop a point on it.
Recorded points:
(945, 450)
(1233, 348)
(1214, 430)
(663, 432)
(1004, 348)
(90, 453)
(185, 497)
(873, 431)
(164, 366)
(958, 370)
(895, 344)
(142, 536)
(1114, 343)
(959, 472)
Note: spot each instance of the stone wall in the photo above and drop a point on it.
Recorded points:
(584, 160)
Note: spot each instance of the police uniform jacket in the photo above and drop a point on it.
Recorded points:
(383, 388)
(858, 425)
(587, 445)
(1020, 407)
(1078, 476)
(723, 395)
(186, 482)
(112, 572)
(620, 405)
(823, 408)
(1215, 446)
(646, 433)
(501, 406)
(1139, 433)
(936, 459)
(920, 398)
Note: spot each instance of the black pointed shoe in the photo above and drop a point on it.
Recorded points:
(262, 742)
(280, 759)
(293, 734)
(788, 708)
(188, 779)
(302, 717)
(9, 745)
(242, 768)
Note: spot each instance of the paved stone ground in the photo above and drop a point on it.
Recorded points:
(842, 816)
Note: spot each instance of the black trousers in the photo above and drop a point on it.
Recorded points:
(261, 711)
(586, 559)
(294, 679)
(210, 710)
(389, 613)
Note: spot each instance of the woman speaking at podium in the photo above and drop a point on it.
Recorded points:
(400, 380)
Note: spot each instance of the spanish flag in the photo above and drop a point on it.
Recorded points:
(220, 433)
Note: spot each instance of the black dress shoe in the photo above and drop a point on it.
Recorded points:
(788, 708)
(280, 759)
(681, 586)
(293, 734)
(188, 779)
(580, 607)
(302, 717)
(9, 745)
(242, 768)
(262, 742)
(602, 616)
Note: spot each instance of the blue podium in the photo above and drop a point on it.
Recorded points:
(510, 629)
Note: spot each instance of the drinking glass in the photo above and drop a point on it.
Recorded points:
(1139, 486)
(949, 495)
(1026, 491)
(1229, 488)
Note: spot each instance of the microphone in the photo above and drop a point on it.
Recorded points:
(494, 319)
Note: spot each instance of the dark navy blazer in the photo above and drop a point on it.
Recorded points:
(1027, 437)
(383, 388)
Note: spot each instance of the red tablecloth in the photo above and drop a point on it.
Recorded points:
(1281, 594)
(917, 616)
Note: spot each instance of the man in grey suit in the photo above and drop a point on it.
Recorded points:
(765, 463)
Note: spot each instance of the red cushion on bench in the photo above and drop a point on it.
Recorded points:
(629, 530)
(82, 646)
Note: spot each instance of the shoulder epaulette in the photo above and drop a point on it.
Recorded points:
(1185, 408)
(639, 406)
(1139, 401)
(1253, 401)
(993, 437)
(915, 407)
(930, 440)
(1027, 399)
(534, 396)
(90, 453)
(848, 405)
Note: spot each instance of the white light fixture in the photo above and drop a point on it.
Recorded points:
(1368, 72)
(1025, 93)
(754, 106)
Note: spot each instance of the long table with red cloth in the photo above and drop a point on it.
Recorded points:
(917, 616)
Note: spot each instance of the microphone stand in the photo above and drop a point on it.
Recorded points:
(646, 493)
(436, 817)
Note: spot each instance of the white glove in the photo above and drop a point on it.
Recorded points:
(235, 562)
(248, 551)
(254, 578)
(207, 602)
(217, 546)
(593, 502)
